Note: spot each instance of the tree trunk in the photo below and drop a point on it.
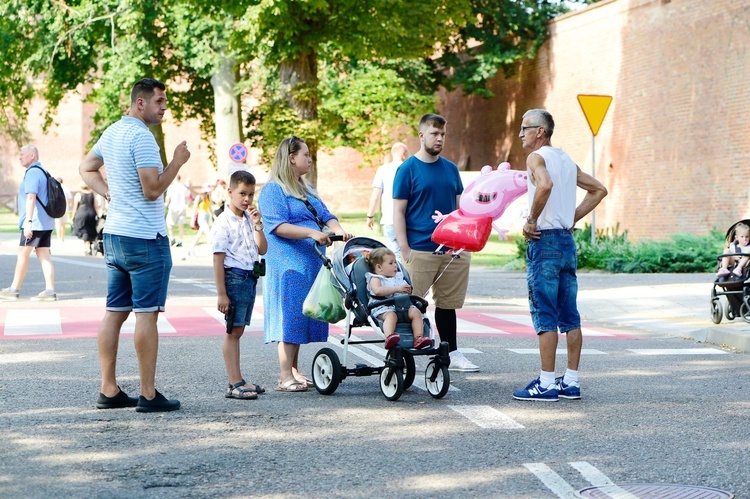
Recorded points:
(299, 84)
(158, 133)
(226, 113)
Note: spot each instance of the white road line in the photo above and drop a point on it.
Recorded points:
(560, 351)
(464, 326)
(599, 479)
(677, 351)
(24, 322)
(485, 416)
(162, 324)
(256, 321)
(101, 265)
(552, 480)
(525, 320)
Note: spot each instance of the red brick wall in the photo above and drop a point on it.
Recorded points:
(673, 149)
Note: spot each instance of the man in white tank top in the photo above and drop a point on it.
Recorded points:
(551, 256)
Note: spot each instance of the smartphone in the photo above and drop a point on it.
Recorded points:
(229, 317)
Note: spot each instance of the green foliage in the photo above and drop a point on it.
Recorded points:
(682, 253)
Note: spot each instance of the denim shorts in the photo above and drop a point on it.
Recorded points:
(551, 264)
(241, 285)
(137, 273)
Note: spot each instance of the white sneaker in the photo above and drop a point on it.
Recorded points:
(461, 364)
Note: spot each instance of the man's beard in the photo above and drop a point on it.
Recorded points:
(433, 151)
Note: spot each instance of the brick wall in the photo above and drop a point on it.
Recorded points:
(673, 149)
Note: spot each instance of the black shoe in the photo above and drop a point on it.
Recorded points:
(119, 401)
(157, 404)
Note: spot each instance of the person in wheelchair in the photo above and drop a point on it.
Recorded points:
(386, 281)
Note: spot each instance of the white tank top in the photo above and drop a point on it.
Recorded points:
(560, 209)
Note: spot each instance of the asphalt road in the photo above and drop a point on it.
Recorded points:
(650, 413)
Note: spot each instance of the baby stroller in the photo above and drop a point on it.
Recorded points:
(97, 246)
(398, 372)
(736, 289)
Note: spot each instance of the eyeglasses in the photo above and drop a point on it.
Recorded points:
(524, 128)
(292, 138)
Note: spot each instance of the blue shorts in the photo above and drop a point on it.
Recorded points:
(551, 264)
(241, 285)
(137, 273)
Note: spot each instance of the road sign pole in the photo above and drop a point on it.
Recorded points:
(593, 174)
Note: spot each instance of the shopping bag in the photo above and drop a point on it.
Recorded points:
(323, 302)
(194, 221)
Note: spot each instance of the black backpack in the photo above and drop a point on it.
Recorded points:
(56, 203)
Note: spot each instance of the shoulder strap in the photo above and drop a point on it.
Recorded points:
(314, 214)
(46, 173)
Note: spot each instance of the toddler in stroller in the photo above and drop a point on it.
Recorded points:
(736, 253)
(732, 275)
(386, 281)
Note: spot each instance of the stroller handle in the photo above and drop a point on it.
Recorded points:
(322, 255)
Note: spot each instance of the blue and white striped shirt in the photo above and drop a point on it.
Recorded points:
(126, 146)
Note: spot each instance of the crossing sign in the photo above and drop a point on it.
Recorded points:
(595, 109)
(238, 153)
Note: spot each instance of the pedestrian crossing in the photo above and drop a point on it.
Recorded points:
(83, 321)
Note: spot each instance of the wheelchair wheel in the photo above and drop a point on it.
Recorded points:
(392, 390)
(326, 371)
(437, 379)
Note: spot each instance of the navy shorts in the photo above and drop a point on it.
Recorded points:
(39, 239)
(551, 263)
(137, 273)
(241, 286)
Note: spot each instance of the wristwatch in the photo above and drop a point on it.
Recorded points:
(258, 227)
(531, 221)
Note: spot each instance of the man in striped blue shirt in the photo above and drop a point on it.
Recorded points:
(136, 246)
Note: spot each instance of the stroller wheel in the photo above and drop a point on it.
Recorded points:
(392, 388)
(716, 311)
(326, 371)
(728, 312)
(410, 369)
(745, 308)
(437, 379)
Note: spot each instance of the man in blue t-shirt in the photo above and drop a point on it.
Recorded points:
(425, 183)
(36, 228)
(136, 246)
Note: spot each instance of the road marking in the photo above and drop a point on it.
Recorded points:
(599, 479)
(26, 322)
(101, 265)
(525, 320)
(677, 351)
(256, 321)
(162, 325)
(485, 416)
(552, 480)
(465, 326)
(560, 351)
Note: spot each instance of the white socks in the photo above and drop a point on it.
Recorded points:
(570, 377)
(546, 379)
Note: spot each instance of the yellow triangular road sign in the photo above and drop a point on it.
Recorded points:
(595, 109)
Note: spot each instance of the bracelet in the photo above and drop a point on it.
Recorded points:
(368, 216)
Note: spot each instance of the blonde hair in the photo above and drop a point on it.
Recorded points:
(740, 227)
(282, 170)
(377, 256)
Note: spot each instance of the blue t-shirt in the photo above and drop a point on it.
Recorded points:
(126, 146)
(34, 182)
(426, 187)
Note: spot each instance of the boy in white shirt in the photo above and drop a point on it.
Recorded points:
(238, 241)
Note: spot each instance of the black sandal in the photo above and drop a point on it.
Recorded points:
(238, 391)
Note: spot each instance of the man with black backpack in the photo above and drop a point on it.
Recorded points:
(36, 228)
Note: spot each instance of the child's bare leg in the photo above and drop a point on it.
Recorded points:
(231, 351)
(389, 323)
(417, 324)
